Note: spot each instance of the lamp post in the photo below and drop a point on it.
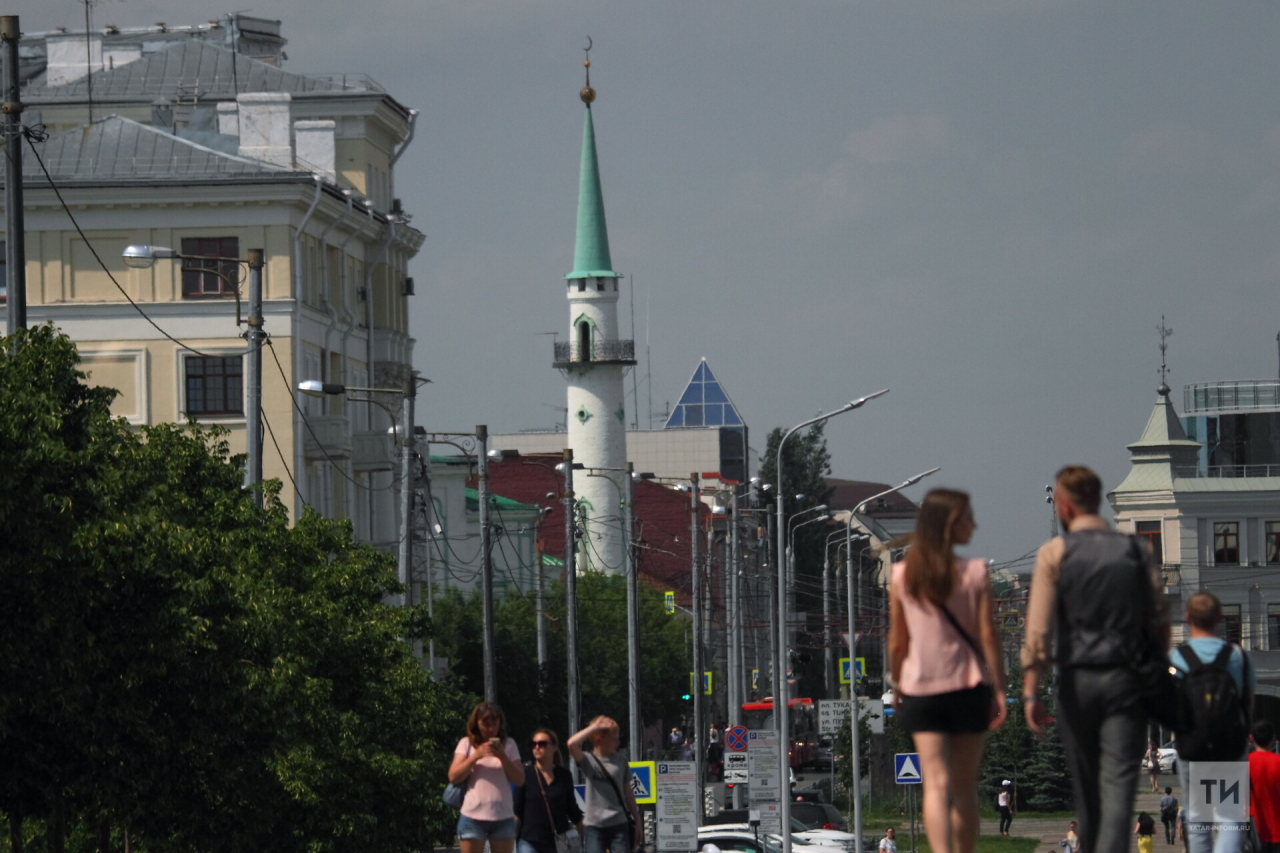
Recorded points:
(630, 571)
(828, 661)
(571, 587)
(404, 438)
(142, 257)
(853, 694)
(781, 711)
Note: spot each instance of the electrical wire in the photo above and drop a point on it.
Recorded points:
(27, 134)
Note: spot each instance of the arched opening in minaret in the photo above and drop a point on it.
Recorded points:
(584, 341)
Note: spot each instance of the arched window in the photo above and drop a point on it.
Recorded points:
(584, 341)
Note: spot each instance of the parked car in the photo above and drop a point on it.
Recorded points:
(819, 816)
(823, 757)
(741, 838)
(736, 819)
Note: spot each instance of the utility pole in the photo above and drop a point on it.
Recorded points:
(253, 377)
(541, 617)
(571, 593)
(699, 732)
(772, 584)
(15, 253)
(736, 668)
(635, 741)
(827, 660)
(486, 559)
(407, 439)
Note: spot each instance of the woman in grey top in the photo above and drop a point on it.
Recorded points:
(612, 818)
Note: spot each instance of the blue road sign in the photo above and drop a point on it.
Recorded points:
(735, 739)
(906, 768)
(845, 676)
(642, 782)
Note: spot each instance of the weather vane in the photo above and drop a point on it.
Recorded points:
(587, 94)
(1165, 333)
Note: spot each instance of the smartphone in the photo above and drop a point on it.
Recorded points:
(495, 742)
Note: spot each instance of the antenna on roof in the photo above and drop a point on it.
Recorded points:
(1165, 333)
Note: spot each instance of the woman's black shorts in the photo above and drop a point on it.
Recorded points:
(957, 712)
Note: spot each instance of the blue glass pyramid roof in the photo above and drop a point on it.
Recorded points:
(704, 403)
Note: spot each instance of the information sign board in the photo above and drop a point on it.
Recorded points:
(764, 777)
(833, 715)
(677, 807)
(735, 767)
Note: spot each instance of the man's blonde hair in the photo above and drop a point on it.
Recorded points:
(612, 728)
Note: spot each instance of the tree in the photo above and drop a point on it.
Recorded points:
(805, 466)
(602, 654)
(1008, 752)
(180, 664)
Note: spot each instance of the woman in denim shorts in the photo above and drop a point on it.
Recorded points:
(486, 763)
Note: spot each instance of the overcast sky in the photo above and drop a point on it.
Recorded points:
(984, 205)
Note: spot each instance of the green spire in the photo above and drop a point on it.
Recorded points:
(591, 250)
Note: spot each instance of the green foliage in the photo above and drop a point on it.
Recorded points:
(602, 654)
(805, 466)
(180, 664)
(841, 748)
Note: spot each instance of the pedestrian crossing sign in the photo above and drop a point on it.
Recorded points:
(844, 670)
(642, 774)
(669, 602)
(706, 684)
(906, 768)
(755, 679)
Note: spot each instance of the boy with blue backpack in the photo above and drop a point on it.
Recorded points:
(1217, 687)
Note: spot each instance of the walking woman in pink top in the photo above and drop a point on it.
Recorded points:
(487, 763)
(945, 661)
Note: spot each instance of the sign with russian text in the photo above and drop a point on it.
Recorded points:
(764, 777)
(677, 806)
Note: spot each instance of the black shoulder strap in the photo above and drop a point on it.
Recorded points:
(613, 785)
(977, 650)
(1223, 657)
(1190, 658)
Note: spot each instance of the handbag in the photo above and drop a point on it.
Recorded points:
(631, 821)
(562, 839)
(454, 794)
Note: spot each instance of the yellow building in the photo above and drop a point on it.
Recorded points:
(210, 152)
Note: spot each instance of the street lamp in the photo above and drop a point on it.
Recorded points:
(781, 710)
(853, 658)
(142, 257)
(405, 438)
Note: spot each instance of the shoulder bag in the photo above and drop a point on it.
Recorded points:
(454, 794)
(989, 680)
(562, 839)
(631, 821)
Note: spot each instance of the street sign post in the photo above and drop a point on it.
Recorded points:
(736, 768)
(906, 768)
(677, 807)
(669, 602)
(735, 739)
(764, 777)
(706, 683)
(845, 677)
(833, 715)
(642, 782)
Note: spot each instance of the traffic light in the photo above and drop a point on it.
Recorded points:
(685, 696)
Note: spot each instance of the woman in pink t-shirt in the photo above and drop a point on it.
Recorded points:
(487, 763)
(947, 669)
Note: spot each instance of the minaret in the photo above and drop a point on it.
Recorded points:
(593, 361)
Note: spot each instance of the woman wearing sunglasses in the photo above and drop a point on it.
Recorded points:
(545, 805)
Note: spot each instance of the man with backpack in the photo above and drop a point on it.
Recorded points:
(1217, 685)
(1169, 815)
(1096, 592)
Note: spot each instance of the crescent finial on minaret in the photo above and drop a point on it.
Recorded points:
(587, 94)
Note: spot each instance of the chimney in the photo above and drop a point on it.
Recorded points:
(71, 56)
(114, 56)
(314, 147)
(228, 118)
(264, 127)
(162, 114)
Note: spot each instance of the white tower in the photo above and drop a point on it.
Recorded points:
(594, 361)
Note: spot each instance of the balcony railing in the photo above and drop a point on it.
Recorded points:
(1244, 395)
(1192, 472)
(568, 354)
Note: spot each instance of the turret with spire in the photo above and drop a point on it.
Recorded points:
(594, 361)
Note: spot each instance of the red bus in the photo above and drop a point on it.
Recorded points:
(803, 718)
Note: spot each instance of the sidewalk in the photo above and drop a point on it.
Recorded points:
(1052, 830)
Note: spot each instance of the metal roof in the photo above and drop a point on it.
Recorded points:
(116, 148)
(193, 68)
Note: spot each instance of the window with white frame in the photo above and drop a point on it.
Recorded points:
(1273, 627)
(1226, 543)
(1271, 547)
(214, 385)
(1231, 628)
(1149, 533)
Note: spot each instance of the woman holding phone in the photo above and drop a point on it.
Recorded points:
(486, 763)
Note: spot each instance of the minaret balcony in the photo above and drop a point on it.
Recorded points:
(573, 354)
